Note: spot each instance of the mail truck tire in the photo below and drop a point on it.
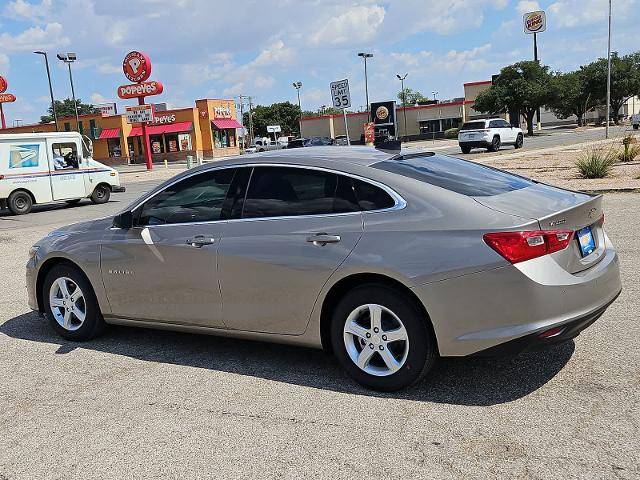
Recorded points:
(20, 202)
(101, 194)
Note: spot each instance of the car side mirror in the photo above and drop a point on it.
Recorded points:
(123, 220)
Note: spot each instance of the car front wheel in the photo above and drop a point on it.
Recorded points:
(70, 304)
(381, 338)
(101, 194)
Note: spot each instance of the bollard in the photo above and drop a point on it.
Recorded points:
(166, 164)
(189, 161)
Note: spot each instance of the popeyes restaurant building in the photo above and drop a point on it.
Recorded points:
(206, 131)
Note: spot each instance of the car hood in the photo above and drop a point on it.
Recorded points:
(89, 226)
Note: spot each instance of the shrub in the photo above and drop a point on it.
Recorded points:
(596, 163)
(451, 133)
(631, 149)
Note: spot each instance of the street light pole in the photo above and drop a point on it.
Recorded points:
(366, 81)
(606, 135)
(53, 102)
(297, 86)
(404, 102)
(69, 58)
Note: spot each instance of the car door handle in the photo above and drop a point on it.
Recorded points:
(321, 239)
(200, 241)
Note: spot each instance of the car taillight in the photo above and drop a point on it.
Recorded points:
(520, 246)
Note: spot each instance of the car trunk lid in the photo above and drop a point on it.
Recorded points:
(558, 209)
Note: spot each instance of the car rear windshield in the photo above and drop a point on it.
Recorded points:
(473, 126)
(460, 176)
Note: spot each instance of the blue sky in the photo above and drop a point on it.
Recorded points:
(219, 48)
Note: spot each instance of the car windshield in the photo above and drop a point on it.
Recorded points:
(455, 174)
(473, 126)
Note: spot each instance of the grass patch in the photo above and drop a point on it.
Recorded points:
(596, 163)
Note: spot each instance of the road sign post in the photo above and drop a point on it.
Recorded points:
(274, 129)
(341, 98)
(535, 23)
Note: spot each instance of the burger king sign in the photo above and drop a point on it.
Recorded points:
(535, 22)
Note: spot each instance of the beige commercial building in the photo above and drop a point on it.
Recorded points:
(427, 121)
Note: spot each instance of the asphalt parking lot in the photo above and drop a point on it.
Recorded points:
(139, 403)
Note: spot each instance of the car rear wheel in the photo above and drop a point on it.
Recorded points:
(20, 203)
(465, 149)
(101, 194)
(380, 337)
(70, 304)
(519, 141)
(495, 144)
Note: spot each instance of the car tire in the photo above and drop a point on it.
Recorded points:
(465, 149)
(70, 304)
(410, 359)
(20, 202)
(101, 194)
(75, 201)
(519, 141)
(495, 144)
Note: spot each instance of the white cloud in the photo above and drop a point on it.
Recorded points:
(20, 9)
(526, 6)
(579, 13)
(4, 63)
(98, 98)
(275, 54)
(108, 68)
(357, 24)
(35, 38)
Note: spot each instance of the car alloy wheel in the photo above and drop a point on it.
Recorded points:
(376, 340)
(67, 304)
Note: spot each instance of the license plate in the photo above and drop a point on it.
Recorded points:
(586, 241)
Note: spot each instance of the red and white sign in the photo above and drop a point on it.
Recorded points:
(136, 66)
(7, 97)
(140, 114)
(535, 22)
(140, 90)
(3, 84)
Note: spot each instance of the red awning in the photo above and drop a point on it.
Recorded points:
(109, 133)
(222, 123)
(160, 129)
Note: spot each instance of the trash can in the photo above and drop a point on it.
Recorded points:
(189, 161)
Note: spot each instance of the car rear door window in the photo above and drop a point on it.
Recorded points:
(455, 174)
(198, 198)
(371, 197)
(290, 191)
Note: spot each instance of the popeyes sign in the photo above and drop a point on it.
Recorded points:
(535, 22)
(5, 97)
(137, 68)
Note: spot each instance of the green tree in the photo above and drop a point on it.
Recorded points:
(411, 97)
(285, 114)
(65, 108)
(571, 95)
(522, 87)
(625, 80)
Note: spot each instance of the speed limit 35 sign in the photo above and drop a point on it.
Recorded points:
(340, 94)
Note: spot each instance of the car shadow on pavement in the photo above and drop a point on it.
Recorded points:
(459, 381)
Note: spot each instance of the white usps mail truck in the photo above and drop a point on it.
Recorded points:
(50, 167)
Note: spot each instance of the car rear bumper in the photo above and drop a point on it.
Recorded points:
(477, 312)
(475, 144)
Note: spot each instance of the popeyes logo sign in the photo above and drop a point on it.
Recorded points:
(535, 22)
(140, 90)
(5, 97)
(137, 68)
(3, 85)
(223, 111)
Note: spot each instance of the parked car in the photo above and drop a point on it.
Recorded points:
(320, 141)
(263, 145)
(341, 140)
(387, 260)
(50, 167)
(635, 121)
(490, 134)
(298, 143)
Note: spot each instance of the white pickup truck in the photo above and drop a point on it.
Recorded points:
(635, 121)
(264, 144)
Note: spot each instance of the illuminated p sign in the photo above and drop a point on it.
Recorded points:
(136, 66)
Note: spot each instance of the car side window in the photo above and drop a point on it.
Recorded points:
(495, 124)
(290, 191)
(198, 198)
(65, 156)
(505, 124)
(371, 197)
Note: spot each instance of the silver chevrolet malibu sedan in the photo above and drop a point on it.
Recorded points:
(387, 260)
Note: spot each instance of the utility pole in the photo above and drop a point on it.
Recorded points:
(365, 55)
(69, 58)
(606, 135)
(53, 102)
(244, 130)
(404, 101)
(251, 138)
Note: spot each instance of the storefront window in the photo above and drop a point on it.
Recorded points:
(224, 138)
(157, 145)
(113, 145)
